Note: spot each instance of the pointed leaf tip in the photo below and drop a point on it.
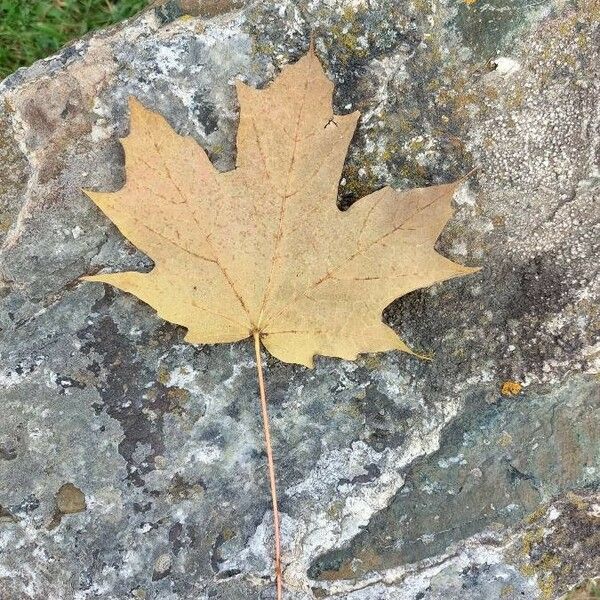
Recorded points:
(134, 104)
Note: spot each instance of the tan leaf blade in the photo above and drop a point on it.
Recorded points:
(264, 248)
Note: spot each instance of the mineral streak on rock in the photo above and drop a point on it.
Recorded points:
(400, 479)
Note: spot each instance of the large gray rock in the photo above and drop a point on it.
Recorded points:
(132, 463)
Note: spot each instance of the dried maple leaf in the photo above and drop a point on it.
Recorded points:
(263, 251)
(263, 248)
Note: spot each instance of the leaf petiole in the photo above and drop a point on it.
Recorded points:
(270, 465)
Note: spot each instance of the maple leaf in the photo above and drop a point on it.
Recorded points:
(263, 250)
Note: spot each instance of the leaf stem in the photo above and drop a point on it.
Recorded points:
(270, 464)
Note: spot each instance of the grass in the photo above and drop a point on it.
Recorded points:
(32, 29)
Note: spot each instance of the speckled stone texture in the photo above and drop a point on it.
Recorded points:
(131, 463)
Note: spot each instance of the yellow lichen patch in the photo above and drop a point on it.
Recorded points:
(507, 591)
(510, 388)
(547, 562)
(360, 395)
(531, 538)
(527, 570)
(163, 376)
(390, 151)
(334, 510)
(345, 35)
(546, 586)
(577, 501)
(354, 409)
(358, 181)
(470, 2)
(417, 144)
(537, 514)
(4, 224)
(413, 171)
(371, 361)
(505, 439)
(177, 396)
(422, 6)
(517, 98)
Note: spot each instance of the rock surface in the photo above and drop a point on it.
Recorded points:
(400, 479)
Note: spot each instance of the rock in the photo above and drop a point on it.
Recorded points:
(6, 517)
(553, 542)
(162, 567)
(70, 499)
(452, 479)
(585, 591)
